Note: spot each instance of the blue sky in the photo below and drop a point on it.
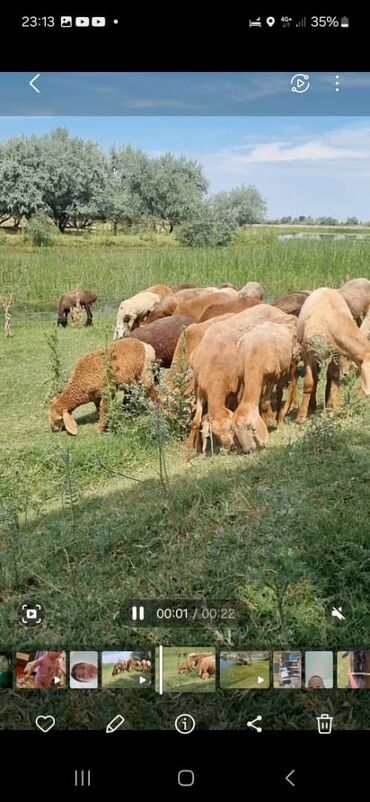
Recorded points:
(302, 165)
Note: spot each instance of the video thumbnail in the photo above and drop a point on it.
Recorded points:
(126, 669)
(5, 670)
(40, 670)
(353, 669)
(191, 670)
(318, 670)
(245, 669)
(287, 669)
(83, 670)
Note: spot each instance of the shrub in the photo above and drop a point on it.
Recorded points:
(38, 231)
(206, 233)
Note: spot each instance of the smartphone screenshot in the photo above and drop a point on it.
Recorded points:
(185, 414)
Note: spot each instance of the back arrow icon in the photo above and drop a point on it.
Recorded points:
(288, 778)
(32, 82)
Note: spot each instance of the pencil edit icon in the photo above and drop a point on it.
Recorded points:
(116, 722)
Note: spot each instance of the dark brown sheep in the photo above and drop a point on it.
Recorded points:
(85, 298)
(291, 303)
(233, 306)
(163, 335)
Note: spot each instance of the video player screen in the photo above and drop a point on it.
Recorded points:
(185, 372)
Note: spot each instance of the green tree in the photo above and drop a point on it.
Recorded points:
(73, 176)
(242, 205)
(175, 189)
(352, 221)
(20, 190)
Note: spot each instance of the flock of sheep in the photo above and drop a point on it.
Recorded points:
(236, 349)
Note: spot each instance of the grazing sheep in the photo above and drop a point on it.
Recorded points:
(291, 303)
(207, 667)
(233, 306)
(163, 335)
(253, 289)
(188, 341)
(119, 667)
(160, 289)
(326, 324)
(183, 287)
(84, 298)
(130, 361)
(191, 307)
(270, 356)
(356, 293)
(133, 310)
(218, 372)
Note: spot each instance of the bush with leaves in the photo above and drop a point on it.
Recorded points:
(38, 231)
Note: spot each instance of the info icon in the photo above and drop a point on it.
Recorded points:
(31, 614)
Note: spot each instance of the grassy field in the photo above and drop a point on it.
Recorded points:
(127, 680)
(87, 520)
(189, 682)
(233, 675)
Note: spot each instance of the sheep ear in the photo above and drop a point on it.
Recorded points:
(69, 423)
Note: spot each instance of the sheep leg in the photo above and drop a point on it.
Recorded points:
(332, 395)
(308, 403)
(103, 411)
(291, 400)
(267, 414)
(192, 442)
(89, 318)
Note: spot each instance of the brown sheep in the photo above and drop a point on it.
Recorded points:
(183, 287)
(356, 293)
(85, 298)
(326, 325)
(218, 372)
(234, 306)
(207, 667)
(253, 289)
(130, 361)
(160, 289)
(189, 339)
(163, 335)
(191, 307)
(119, 667)
(291, 303)
(270, 356)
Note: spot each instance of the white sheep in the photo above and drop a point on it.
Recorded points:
(133, 309)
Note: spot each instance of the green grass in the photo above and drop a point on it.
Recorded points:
(287, 530)
(189, 682)
(237, 676)
(127, 680)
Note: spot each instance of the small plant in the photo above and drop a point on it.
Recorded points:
(38, 231)
(178, 402)
(57, 372)
(6, 303)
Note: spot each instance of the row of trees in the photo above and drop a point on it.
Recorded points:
(74, 183)
(302, 220)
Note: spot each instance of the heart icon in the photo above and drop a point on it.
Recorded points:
(45, 723)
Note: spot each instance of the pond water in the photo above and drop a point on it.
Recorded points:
(306, 235)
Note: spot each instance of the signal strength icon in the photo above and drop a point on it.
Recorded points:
(301, 23)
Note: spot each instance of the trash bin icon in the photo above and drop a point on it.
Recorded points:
(324, 723)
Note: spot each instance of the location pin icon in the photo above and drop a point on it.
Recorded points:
(270, 21)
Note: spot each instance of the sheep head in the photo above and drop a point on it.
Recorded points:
(57, 419)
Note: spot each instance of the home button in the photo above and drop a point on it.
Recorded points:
(185, 778)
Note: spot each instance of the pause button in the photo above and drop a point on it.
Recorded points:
(82, 778)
